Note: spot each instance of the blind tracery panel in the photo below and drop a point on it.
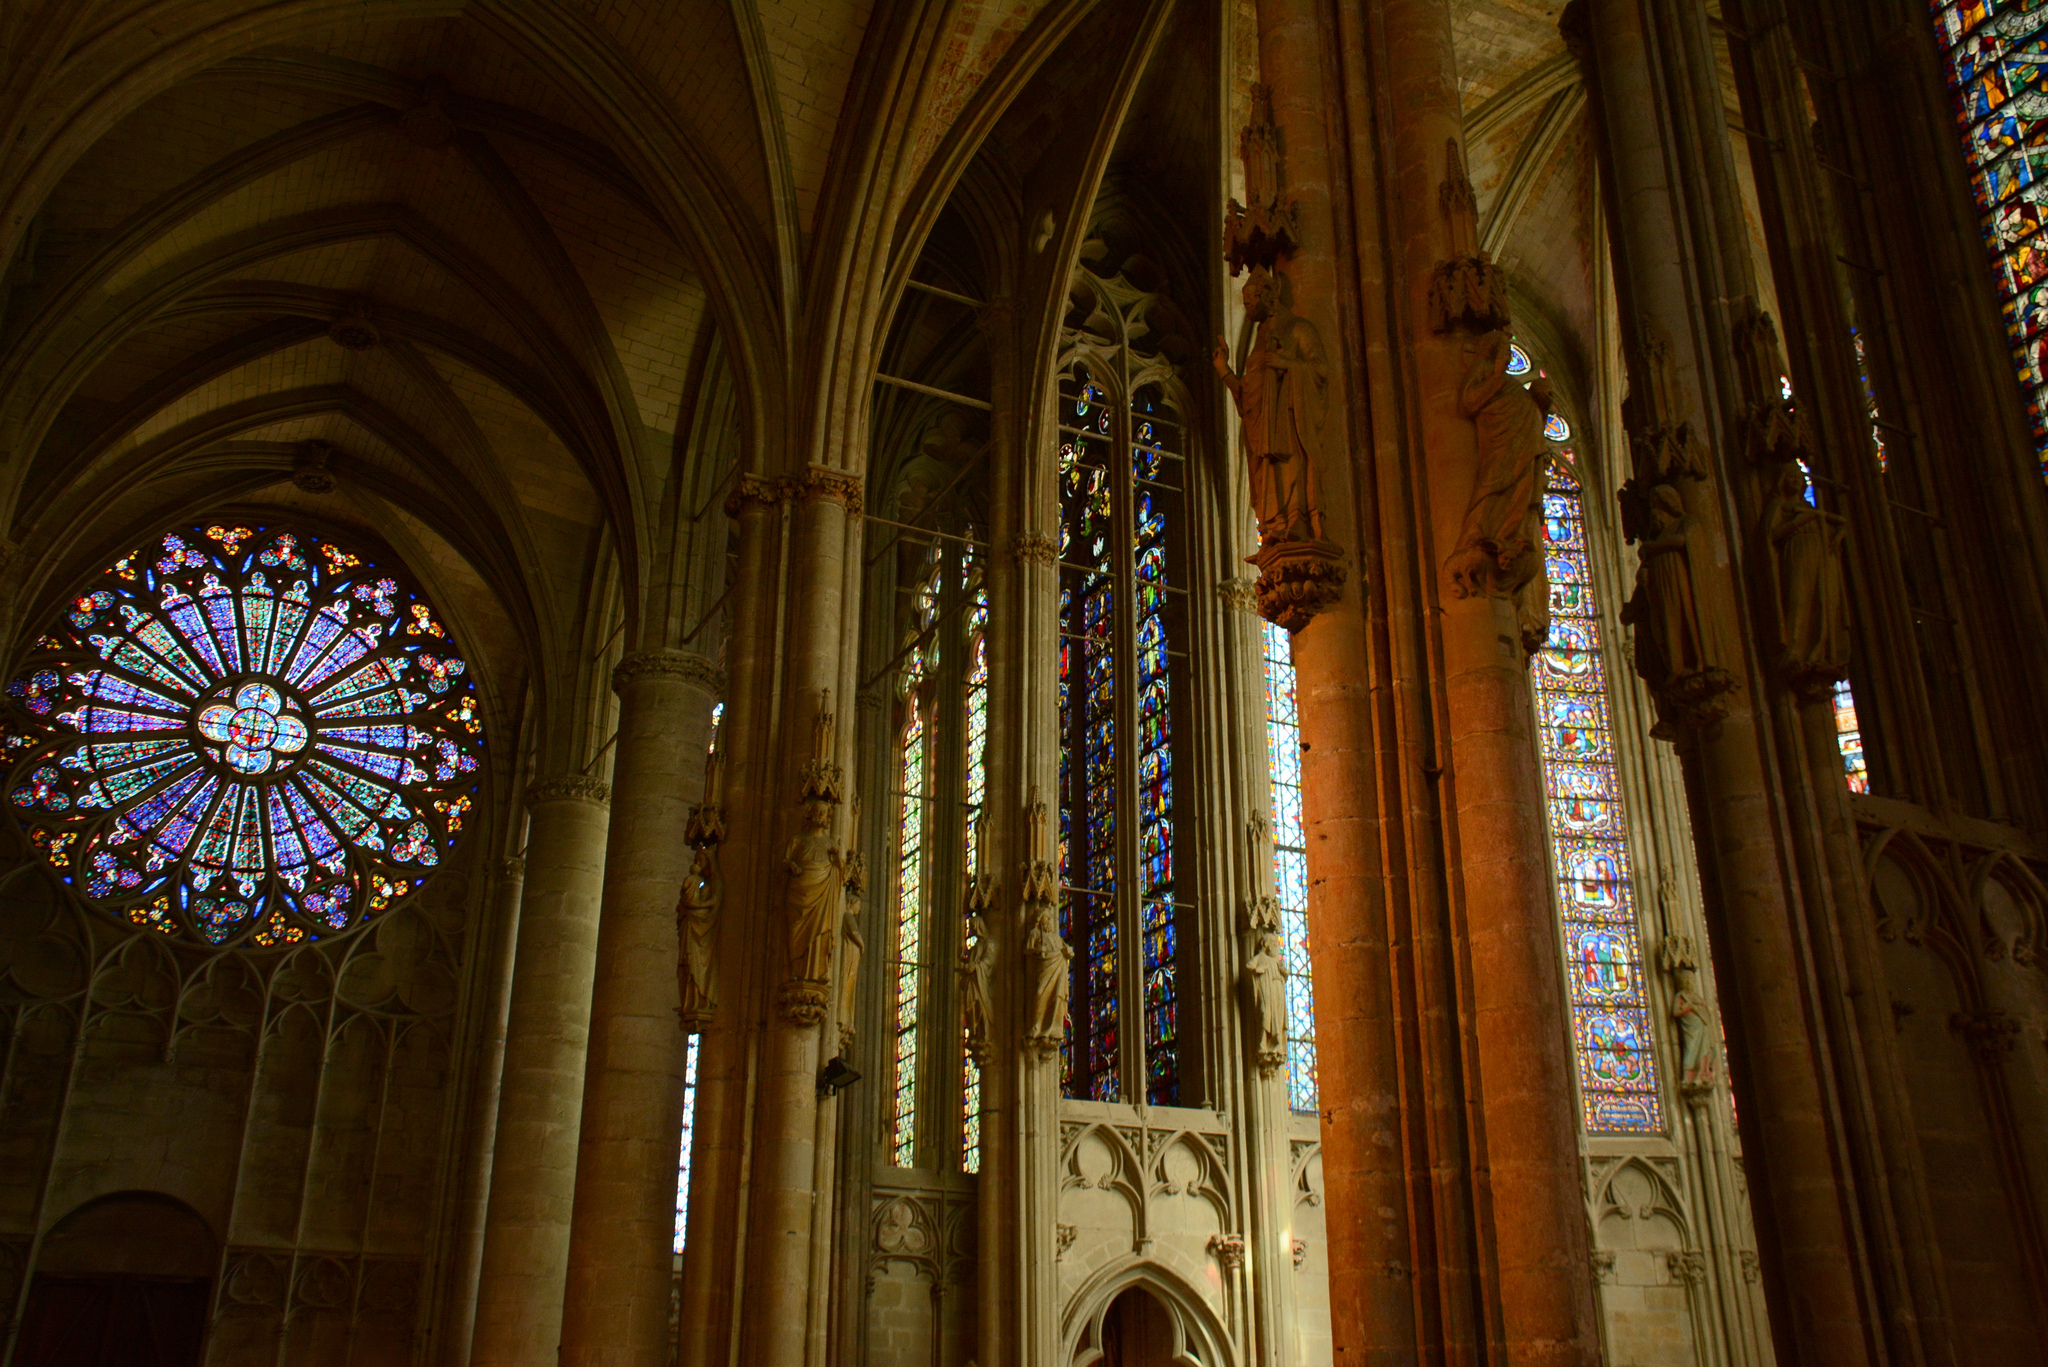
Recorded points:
(244, 735)
(1122, 655)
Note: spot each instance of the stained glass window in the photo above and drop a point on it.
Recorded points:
(1997, 54)
(242, 735)
(1121, 614)
(1290, 866)
(689, 1132)
(976, 795)
(1589, 835)
(914, 753)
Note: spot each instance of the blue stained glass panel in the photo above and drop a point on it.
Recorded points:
(1290, 864)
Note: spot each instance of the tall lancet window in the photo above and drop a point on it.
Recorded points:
(975, 792)
(1290, 866)
(1122, 667)
(914, 756)
(1998, 70)
(1603, 950)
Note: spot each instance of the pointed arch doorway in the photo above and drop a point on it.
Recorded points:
(1138, 1331)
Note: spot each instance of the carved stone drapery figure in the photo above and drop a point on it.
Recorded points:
(856, 943)
(696, 915)
(977, 970)
(1813, 604)
(1532, 598)
(1671, 646)
(1049, 986)
(817, 873)
(1688, 1008)
(1265, 980)
(1283, 402)
(1496, 553)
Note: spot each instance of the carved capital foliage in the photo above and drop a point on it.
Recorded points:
(1991, 1035)
(1687, 1265)
(511, 867)
(1468, 294)
(755, 490)
(1603, 1265)
(820, 484)
(669, 664)
(1238, 595)
(802, 1001)
(1228, 1250)
(1752, 1270)
(1035, 548)
(355, 330)
(313, 467)
(1063, 1239)
(1297, 580)
(570, 787)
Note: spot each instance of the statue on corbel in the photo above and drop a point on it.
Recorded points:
(816, 871)
(702, 895)
(1499, 553)
(978, 954)
(1049, 954)
(1698, 1054)
(853, 941)
(1265, 963)
(1281, 391)
(1804, 541)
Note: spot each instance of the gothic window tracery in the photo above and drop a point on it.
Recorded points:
(1290, 865)
(1122, 664)
(244, 736)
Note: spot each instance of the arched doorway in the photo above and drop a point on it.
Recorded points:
(122, 1281)
(1138, 1332)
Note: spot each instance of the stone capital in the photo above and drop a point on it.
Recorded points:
(821, 483)
(512, 867)
(1035, 548)
(569, 788)
(685, 665)
(762, 490)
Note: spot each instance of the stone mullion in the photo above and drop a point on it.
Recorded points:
(621, 1264)
(533, 1175)
(714, 1262)
(1674, 246)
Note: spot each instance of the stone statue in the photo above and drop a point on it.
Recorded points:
(1532, 598)
(1265, 977)
(1283, 403)
(977, 969)
(696, 914)
(1496, 554)
(817, 871)
(856, 945)
(1661, 609)
(1688, 1012)
(1813, 604)
(1049, 985)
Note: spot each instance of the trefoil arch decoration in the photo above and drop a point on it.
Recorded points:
(242, 735)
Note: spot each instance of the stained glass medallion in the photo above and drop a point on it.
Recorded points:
(243, 736)
(1997, 59)
(1589, 836)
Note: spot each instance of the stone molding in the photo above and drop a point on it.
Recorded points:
(673, 664)
(1035, 548)
(569, 787)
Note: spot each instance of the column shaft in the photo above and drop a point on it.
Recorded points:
(540, 1104)
(616, 1311)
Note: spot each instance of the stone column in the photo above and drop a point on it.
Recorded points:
(1481, 435)
(1353, 884)
(806, 786)
(540, 1105)
(1674, 245)
(616, 1309)
(498, 941)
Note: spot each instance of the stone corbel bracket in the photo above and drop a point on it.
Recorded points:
(1297, 580)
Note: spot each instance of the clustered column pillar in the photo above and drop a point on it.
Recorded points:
(620, 1254)
(1675, 244)
(540, 1103)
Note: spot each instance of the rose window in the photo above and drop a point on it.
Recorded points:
(242, 736)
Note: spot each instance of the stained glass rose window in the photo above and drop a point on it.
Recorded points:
(243, 736)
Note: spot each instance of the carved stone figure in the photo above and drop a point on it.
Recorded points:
(1661, 610)
(977, 970)
(1496, 554)
(856, 944)
(1532, 599)
(817, 871)
(1813, 605)
(1049, 981)
(1696, 1058)
(1265, 977)
(696, 914)
(1283, 402)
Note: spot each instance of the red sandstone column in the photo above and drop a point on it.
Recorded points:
(1527, 1177)
(1371, 1251)
(540, 1105)
(616, 1311)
